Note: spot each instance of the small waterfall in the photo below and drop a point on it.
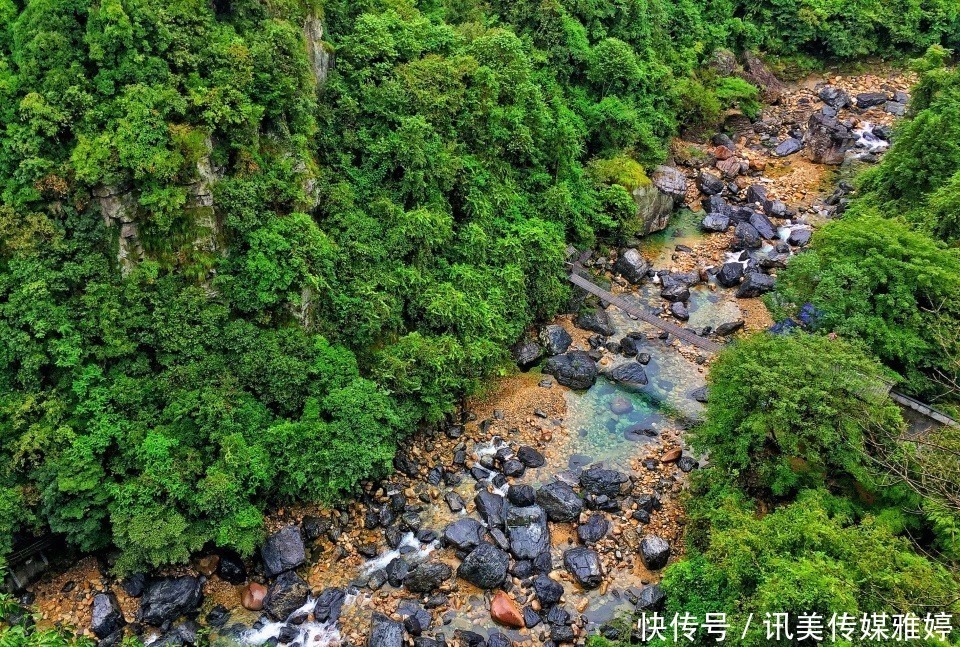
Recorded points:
(868, 141)
(308, 634)
(409, 540)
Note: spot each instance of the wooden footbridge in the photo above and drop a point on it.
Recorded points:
(710, 346)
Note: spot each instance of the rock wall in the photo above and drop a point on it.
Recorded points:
(319, 53)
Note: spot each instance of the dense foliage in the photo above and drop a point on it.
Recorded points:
(794, 516)
(231, 275)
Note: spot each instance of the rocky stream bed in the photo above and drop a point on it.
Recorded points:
(546, 509)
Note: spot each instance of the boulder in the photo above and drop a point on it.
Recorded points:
(491, 508)
(799, 237)
(730, 274)
(485, 566)
(710, 184)
(827, 139)
(167, 599)
(530, 457)
(106, 616)
(630, 375)
(521, 495)
(287, 594)
(231, 568)
(252, 596)
(757, 73)
(756, 194)
(895, 109)
(867, 100)
(746, 236)
(427, 577)
(594, 320)
(526, 353)
(715, 222)
(584, 565)
(463, 534)
(597, 480)
(631, 265)
(555, 339)
(670, 181)
(594, 529)
(788, 146)
(329, 605)
(728, 328)
(454, 501)
(630, 345)
(653, 208)
(528, 531)
(575, 369)
(679, 310)
(755, 284)
(548, 591)
(559, 501)
(776, 209)
(763, 226)
(397, 571)
(655, 552)
(651, 598)
(283, 551)
(675, 293)
(384, 632)
(834, 97)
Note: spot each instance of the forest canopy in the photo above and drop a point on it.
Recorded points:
(235, 270)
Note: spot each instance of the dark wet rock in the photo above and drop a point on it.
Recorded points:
(548, 591)
(756, 194)
(530, 457)
(384, 632)
(763, 226)
(827, 139)
(491, 508)
(106, 616)
(715, 222)
(411, 521)
(555, 339)
(283, 551)
(729, 328)
(895, 109)
(651, 598)
(471, 638)
(598, 480)
(675, 293)
(559, 501)
(730, 274)
(594, 529)
(631, 345)
(632, 266)
(746, 236)
(561, 634)
(513, 468)
(497, 639)
(416, 619)
(709, 184)
(655, 552)
(526, 353)
(485, 567)
(463, 534)
(500, 539)
(426, 641)
(716, 205)
(559, 616)
(406, 465)
(679, 279)
(575, 369)
(167, 599)
(670, 181)
(755, 284)
(329, 605)
(799, 237)
(700, 395)
(133, 585)
(630, 375)
(528, 531)
(776, 209)
(641, 515)
(543, 563)
(531, 618)
(479, 474)
(315, 527)
(427, 577)
(397, 571)
(522, 495)
(584, 565)
(788, 146)
(644, 358)
(687, 464)
(834, 97)
(287, 594)
(454, 501)
(871, 99)
(594, 320)
(218, 616)
(679, 311)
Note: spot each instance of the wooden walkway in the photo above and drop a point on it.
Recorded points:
(650, 318)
